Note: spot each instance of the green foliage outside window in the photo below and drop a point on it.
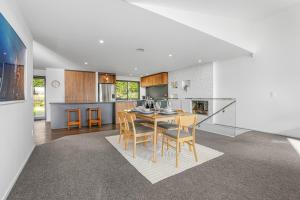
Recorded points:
(38, 82)
(127, 90)
(121, 89)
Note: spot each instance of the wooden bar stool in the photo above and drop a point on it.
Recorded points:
(75, 122)
(91, 121)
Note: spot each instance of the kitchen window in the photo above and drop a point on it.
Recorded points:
(127, 90)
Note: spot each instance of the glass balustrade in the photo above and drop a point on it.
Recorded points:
(215, 115)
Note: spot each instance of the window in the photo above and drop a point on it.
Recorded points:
(39, 97)
(127, 90)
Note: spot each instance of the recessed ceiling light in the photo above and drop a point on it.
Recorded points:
(135, 69)
(199, 61)
(4, 53)
(170, 55)
(101, 41)
(86, 63)
(140, 49)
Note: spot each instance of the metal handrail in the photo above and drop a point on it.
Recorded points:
(204, 98)
(222, 109)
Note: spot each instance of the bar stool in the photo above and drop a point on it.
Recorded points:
(91, 121)
(75, 122)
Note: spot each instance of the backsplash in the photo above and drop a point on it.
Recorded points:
(157, 92)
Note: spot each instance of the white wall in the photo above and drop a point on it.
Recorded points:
(39, 72)
(54, 94)
(266, 86)
(16, 120)
(273, 71)
(201, 78)
(45, 57)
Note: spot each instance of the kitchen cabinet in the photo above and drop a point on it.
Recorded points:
(107, 78)
(155, 80)
(80, 86)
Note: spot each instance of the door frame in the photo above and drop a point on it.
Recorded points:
(45, 105)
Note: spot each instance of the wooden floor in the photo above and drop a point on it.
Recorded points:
(44, 134)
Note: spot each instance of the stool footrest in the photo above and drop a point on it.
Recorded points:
(91, 121)
(71, 122)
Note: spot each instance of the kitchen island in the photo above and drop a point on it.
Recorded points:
(59, 115)
(109, 111)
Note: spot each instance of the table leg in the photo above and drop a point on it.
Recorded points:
(154, 141)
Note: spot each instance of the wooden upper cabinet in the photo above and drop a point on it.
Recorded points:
(80, 87)
(165, 78)
(155, 80)
(107, 78)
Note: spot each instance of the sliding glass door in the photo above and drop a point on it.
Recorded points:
(39, 97)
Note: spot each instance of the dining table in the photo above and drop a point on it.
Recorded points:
(155, 118)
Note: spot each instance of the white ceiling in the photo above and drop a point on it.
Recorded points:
(236, 9)
(72, 29)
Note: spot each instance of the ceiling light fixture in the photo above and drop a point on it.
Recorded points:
(199, 61)
(170, 55)
(86, 63)
(101, 41)
(140, 50)
(135, 69)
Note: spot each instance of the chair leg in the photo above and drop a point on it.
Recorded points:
(177, 153)
(162, 145)
(120, 136)
(195, 153)
(190, 146)
(68, 121)
(134, 147)
(167, 144)
(179, 146)
(126, 142)
(145, 138)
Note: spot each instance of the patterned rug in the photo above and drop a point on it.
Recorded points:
(165, 166)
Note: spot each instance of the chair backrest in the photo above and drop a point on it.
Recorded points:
(129, 120)
(186, 122)
(122, 119)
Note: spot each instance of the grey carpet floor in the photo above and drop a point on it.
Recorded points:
(254, 166)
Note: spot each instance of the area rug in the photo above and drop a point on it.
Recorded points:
(165, 166)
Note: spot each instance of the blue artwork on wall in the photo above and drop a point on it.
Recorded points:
(12, 62)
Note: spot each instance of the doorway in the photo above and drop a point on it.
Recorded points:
(39, 97)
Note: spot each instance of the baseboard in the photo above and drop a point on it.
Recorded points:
(11, 185)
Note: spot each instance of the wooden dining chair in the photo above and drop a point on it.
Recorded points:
(122, 124)
(138, 133)
(182, 135)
